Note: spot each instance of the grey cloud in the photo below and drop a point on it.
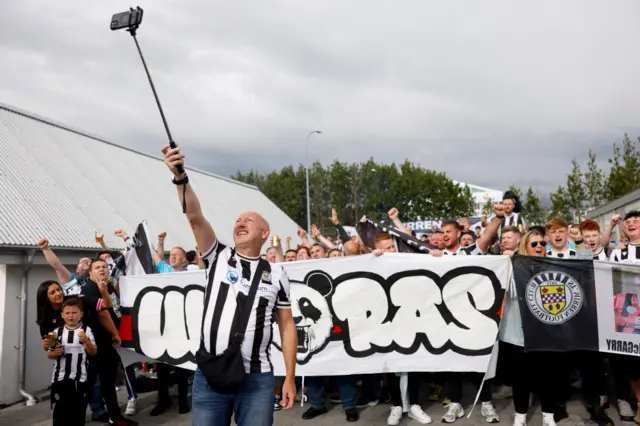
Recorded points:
(479, 90)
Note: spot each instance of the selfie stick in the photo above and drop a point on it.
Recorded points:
(132, 30)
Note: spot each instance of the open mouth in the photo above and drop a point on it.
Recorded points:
(303, 338)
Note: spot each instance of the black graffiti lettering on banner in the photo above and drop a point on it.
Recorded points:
(623, 347)
(419, 306)
(175, 337)
(406, 311)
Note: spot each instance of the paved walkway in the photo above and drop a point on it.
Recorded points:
(40, 415)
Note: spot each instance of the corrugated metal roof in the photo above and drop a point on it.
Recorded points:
(64, 184)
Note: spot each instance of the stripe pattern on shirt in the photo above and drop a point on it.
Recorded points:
(229, 277)
(603, 254)
(72, 364)
(629, 254)
(472, 250)
(568, 253)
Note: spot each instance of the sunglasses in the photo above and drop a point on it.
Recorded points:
(534, 244)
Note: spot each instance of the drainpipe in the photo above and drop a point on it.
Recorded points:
(26, 267)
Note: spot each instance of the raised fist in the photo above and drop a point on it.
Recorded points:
(43, 244)
(334, 217)
(162, 236)
(120, 233)
(616, 220)
(498, 209)
(393, 213)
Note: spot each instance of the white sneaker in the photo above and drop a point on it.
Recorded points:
(626, 413)
(489, 412)
(131, 408)
(503, 392)
(547, 419)
(454, 412)
(520, 420)
(395, 416)
(416, 413)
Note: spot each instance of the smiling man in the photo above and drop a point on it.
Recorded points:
(231, 272)
(557, 233)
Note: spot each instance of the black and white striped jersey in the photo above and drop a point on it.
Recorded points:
(229, 277)
(514, 220)
(72, 365)
(567, 253)
(603, 254)
(629, 254)
(471, 250)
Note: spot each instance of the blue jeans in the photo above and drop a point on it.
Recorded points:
(96, 403)
(252, 402)
(346, 386)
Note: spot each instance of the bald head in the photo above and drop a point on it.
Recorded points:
(250, 232)
(351, 248)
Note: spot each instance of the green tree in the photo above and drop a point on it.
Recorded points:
(593, 183)
(576, 192)
(560, 207)
(624, 175)
(487, 208)
(532, 210)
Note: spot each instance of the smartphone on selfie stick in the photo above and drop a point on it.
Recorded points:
(131, 20)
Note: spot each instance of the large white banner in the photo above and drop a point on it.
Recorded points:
(395, 313)
(618, 301)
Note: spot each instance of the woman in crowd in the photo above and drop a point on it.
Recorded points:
(49, 299)
(528, 369)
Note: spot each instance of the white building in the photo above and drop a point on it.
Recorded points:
(481, 195)
(63, 184)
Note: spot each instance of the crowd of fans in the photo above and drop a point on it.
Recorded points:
(81, 338)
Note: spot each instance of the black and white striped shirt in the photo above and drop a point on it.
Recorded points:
(629, 254)
(514, 220)
(72, 364)
(603, 254)
(472, 250)
(229, 277)
(567, 253)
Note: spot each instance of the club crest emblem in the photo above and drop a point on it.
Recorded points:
(554, 297)
(232, 276)
(266, 277)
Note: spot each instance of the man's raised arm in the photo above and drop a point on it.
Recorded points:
(202, 230)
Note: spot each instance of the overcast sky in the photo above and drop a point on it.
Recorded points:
(487, 91)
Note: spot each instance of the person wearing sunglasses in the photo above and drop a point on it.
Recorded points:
(530, 370)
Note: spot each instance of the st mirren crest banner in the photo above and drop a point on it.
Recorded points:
(569, 305)
(557, 303)
(357, 315)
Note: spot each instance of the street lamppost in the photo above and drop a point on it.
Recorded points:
(307, 177)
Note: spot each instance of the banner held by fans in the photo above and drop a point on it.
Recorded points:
(395, 313)
(569, 305)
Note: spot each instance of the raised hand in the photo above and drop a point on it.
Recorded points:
(315, 232)
(498, 209)
(162, 236)
(393, 214)
(43, 244)
(616, 220)
(173, 159)
(120, 233)
(334, 217)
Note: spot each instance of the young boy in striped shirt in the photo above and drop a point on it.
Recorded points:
(71, 351)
